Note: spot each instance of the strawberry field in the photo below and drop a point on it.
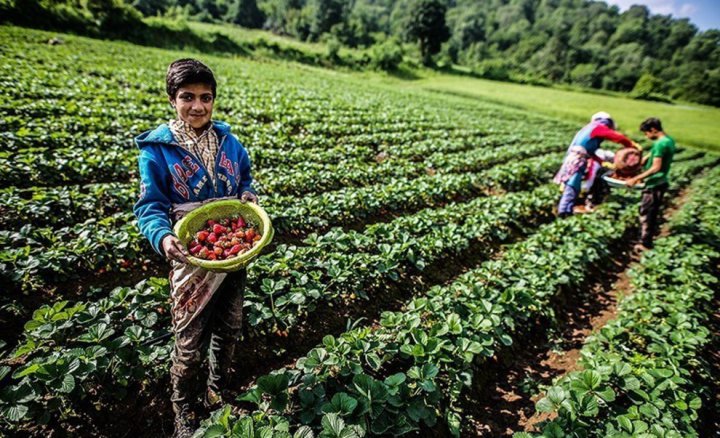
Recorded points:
(416, 247)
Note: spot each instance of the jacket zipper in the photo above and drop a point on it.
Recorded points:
(212, 180)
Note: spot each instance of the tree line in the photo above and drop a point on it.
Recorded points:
(581, 43)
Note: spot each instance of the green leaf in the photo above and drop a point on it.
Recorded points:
(695, 403)
(625, 423)
(244, 428)
(545, 405)
(68, 384)
(343, 404)
(214, 431)
(607, 394)
(649, 410)
(15, 413)
(304, 432)
(333, 424)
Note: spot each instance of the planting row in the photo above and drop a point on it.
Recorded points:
(57, 206)
(125, 323)
(408, 372)
(329, 273)
(642, 372)
(33, 256)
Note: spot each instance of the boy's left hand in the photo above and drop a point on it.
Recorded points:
(249, 196)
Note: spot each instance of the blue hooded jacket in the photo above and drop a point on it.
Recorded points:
(170, 174)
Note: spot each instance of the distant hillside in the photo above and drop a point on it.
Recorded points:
(579, 42)
(582, 43)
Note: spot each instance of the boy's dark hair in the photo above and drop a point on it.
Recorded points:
(188, 71)
(649, 124)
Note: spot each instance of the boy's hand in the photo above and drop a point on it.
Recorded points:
(631, 182)
(637, 146)
(174, 249)
(249, 196)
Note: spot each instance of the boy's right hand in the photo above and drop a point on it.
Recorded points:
(174, 249)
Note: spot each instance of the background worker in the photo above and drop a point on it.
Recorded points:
(657, 167)
(593, 185)
(583, 147)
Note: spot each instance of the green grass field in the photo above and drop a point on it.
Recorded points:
(690, 124)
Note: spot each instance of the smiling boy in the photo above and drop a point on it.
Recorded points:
(183, 164)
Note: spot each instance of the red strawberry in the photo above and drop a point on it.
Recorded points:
(235, 249)
(250, 235)
(195, 249)
(226, 253)
(203, 253)
(211, 256)
(241, 222)
(218, 229)
(201, 235)
(211, 222)
(193, 242)
(218, 250)
(212, 238)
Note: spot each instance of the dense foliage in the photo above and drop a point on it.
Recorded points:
(643, 372)
(579, 42)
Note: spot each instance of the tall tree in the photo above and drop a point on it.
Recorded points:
(427, 26)
(245, 13)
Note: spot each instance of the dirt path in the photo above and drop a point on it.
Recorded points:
(504, 399)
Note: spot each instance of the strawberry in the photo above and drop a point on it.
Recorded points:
(218, 250)
(235, 249)
(211, 256)
(241, 222)
(203, 253)
(211, 222)
(224, 222)
(218, 229)
(193, 242)
(226, 253)
(250, 234)
(195, 249)
(201, 235)
(212, 238)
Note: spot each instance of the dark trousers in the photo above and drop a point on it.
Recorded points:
(217, 329)
(599, 189)
(650, 207)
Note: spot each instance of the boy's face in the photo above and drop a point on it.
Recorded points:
(194, 104)
(652, 134)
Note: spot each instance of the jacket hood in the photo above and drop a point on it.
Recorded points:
(163, 135)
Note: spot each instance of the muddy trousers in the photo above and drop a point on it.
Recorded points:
(650, 207)
(217, 329)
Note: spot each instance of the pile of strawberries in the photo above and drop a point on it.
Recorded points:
(223, 239)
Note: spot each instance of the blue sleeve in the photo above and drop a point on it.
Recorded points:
(153, 207)
(245, 175)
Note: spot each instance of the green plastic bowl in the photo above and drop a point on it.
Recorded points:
(194, 221)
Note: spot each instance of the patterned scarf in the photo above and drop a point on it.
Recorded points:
(204, 146)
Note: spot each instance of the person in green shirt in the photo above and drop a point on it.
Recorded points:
(655, 175)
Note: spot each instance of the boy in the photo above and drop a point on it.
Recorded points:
(185, 163)
(657, 167)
